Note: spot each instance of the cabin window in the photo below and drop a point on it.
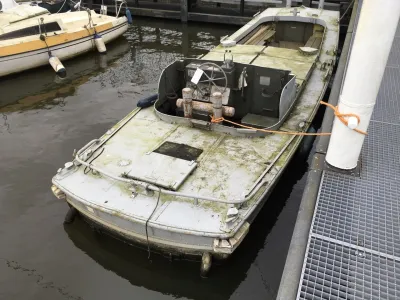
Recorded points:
(32, 30)
(264, 80)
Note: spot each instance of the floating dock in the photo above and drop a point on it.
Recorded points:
(346, 242)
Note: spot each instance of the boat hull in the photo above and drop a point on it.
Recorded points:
(167, 240)
(134, 232)
(29, 60)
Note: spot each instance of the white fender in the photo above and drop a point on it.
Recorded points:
(57, 66)
(101, 47)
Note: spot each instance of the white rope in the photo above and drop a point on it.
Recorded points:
(65, 1)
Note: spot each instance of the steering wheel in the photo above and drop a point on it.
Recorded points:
(204, 89)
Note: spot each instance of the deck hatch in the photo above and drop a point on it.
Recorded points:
(162, 170)
(181, 151)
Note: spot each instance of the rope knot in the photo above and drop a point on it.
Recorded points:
(335, 109)
(342, 117)
(216, 120)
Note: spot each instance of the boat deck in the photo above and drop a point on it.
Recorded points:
(353, 249)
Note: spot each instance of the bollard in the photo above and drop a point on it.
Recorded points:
(187, 94)
(216, 100)
(364, 74)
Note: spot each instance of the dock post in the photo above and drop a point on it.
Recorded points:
(321, 4)
(185, 40)
(365, 71)
(184, 11)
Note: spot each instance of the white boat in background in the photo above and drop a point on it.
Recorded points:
(6, 5)
(31, 37)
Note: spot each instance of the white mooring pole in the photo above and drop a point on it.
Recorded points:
(373, 40)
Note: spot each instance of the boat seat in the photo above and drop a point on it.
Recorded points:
(314, 42)
(258, 121)
(264, 34)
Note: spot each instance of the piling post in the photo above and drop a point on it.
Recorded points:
(242, 7)
(184, 11)
(185, 40)
(365, 71)
(216, 100)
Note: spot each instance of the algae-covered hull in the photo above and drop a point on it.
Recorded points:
(190, 173)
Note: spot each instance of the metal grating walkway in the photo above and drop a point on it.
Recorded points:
(353, 250)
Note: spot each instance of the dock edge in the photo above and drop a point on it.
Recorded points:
(291, 275)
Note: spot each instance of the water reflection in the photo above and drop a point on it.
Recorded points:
(27, 90)
(138, 58)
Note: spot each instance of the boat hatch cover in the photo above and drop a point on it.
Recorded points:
(181, 151)
(163, 169)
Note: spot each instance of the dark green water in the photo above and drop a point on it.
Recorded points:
(42, 120)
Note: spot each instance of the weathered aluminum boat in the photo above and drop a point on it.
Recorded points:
(170, 176)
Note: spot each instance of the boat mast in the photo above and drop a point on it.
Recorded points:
(374, 37)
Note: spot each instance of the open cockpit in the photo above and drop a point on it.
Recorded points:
(290, 35)
(247, 94)
(253, 82)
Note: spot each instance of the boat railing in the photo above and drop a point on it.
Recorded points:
(103, 8)
(120, 6)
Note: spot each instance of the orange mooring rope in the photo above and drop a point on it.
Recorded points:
(340, 116)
